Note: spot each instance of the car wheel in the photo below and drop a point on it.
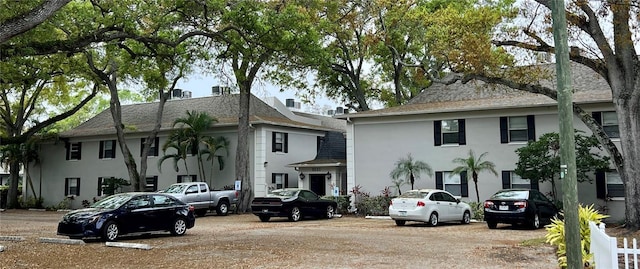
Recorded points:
(294, 215)
(111, 231)
(535, 222)
(201, 212)
(466, 217)
(264, 218)
(401, 222)
(179, 227)
(223, 209)
(492, 225)
(433, 219)
(330, 212)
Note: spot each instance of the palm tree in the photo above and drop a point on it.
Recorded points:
(473, 167)
(178, 142)
(213, 145)
(410, 169)
(195, 124)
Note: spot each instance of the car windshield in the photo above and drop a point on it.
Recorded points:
(112, 202)
(511, 195)
(282, 193)
(175, 189)
(414, 194)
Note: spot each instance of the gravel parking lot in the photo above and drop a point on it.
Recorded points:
(242, 241)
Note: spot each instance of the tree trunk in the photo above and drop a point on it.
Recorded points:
(14, 180)
(242, 152)
(475, 181)
(628, 112)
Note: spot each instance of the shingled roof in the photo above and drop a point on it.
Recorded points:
(139, 118)
(477, 95)
(332, 152)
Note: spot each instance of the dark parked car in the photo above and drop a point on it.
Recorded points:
(519, 206)
(127, 213)
(293, 204)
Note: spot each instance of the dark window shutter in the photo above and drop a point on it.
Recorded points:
(439, 183)
(464, 184)
(155, 183)
(79, 154)
(68, 150)
(66, 186)
(77, 187)
(141, 146)
(286, 143)
(273, 178)
(531, 128)
(601, 185)
(504, 130)
(101, 152)
(534, 184)
(286, 180)
(178, 179)
(100, 186)
(506, 179)
(462, 139)
(273, 141)
(156, 142)
(437, 133)
(597, 116)
(113, 148)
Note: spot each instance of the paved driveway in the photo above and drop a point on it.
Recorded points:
(242, 241)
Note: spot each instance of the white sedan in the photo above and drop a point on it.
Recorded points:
(430, 206)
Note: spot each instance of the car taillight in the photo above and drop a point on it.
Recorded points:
(391, 202)
(237, 194)
(521, 204)
(191, 208)
(488, 204)
(420, 203)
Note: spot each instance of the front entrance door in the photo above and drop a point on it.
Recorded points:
(317, 185)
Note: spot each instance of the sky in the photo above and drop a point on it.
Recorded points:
(200, 86)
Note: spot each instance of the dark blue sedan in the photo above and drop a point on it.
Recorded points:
(128, 213)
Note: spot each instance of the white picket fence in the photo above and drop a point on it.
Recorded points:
(606, 253)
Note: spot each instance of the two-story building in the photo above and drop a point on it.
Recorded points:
(445, 121)
(77, 163)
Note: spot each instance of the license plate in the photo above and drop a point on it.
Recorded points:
(265, 211)
(403, 213)
(503, 207)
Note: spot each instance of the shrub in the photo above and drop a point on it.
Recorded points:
(477, 209)
(374, 206)
(343, 202)
(31, 202)
(555, 234)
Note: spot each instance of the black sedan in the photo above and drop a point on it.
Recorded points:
(128, 213)
(293, 204)
(519, 206)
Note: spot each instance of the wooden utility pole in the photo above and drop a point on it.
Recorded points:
(567, 137)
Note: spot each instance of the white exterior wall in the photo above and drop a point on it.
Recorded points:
(375, 144)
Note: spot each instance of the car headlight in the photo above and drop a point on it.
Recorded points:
(92, 219)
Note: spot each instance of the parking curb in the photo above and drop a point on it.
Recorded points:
(61, 241)
(11, 238)
(128, 245)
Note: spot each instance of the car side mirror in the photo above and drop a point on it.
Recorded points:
(457, 200)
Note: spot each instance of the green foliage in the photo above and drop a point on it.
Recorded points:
(477, 209)
(32, 202)
(540, 160)
(409, 169)
(343, 202)
(556, 236)
(374, 206)
(473, 166)
(112, 185)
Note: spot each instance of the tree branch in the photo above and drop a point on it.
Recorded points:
(31, 19)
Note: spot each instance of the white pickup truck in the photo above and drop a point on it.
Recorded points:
(202, 198)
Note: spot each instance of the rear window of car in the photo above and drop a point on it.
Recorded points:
(511, 195)
(414, 194)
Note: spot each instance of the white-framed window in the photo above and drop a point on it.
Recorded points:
(610, 124)
(452, 183)
(518, 182)
(279, 180)
(107, 149)
(615, 188)
(74, 151)
(279, 142)
(518, 129)
(450, 132)
(187, 178)
(153, 149)
(72, 186)
(151, 183)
